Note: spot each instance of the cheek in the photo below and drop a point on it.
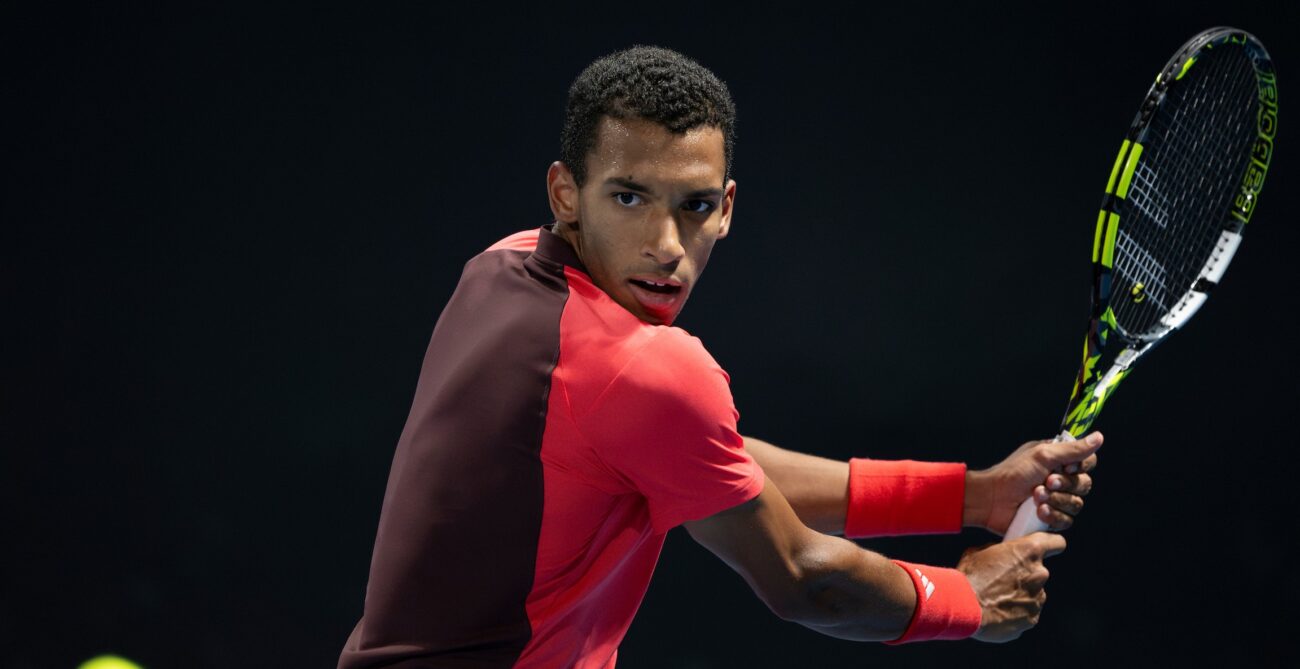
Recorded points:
(603, 254)
(602, 244)
(699, 260)
(703, 248)
(615, 240)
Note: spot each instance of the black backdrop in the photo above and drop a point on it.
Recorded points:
(227, 236)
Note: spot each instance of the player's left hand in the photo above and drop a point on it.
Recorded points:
(1055, 473)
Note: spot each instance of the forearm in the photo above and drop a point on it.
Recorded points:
(816, 487)
(829, 584)
(855, 594)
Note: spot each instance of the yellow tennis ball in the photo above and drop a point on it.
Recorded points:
(108, 662)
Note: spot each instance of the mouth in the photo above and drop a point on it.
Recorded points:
(656, 294)
(664, 287)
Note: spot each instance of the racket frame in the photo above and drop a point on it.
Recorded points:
(1091, 387)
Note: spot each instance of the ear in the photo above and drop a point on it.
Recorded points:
(562, 190)
(728, 206)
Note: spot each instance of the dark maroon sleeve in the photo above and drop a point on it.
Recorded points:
(455, 553)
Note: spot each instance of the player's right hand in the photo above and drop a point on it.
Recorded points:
(1008, 579)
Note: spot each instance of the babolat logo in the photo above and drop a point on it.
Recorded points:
(1261, 152)
(1138, 292)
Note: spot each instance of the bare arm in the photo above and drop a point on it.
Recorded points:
(817, 487)
(834, 587)
(822, 582)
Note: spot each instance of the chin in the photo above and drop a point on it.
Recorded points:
(656, 318)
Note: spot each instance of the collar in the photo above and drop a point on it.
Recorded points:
(551, 246)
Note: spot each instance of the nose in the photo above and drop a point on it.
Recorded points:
(664, 241)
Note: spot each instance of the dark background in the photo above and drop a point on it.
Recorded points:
(227, 236)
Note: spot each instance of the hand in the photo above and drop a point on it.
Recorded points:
(1008, 580)
(1055, 473)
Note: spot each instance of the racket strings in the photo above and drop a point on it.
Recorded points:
(1239, 87)
(1147, 197)
(1180, 167)
(1195, 151)
(1143, 268)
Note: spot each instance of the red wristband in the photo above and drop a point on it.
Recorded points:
(946, 605)
(893, 497)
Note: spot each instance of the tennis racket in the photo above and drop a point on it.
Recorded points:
(1182, 189)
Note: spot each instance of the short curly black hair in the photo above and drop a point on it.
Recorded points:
(648, 82)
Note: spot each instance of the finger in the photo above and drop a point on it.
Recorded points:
(1037, 580)
(1045, 513)
(1056, 520)
(1089, 463)
(1066, 503)
(1079, 484)
(1065, 453)
(1033, 608)
(1059, 501)
(1045, 544)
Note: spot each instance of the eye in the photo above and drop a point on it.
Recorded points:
(627, 199)
(699, 206)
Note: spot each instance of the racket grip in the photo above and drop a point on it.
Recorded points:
(1026, 520)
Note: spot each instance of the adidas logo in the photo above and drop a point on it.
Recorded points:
(929, 586)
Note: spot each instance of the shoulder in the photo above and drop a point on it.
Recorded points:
(673, 359)
(671, 374)
(598, 323)
(520, 241)
(622, 362)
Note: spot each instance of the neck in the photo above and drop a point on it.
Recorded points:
(568, 231)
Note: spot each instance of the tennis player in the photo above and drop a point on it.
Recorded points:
(562, 425)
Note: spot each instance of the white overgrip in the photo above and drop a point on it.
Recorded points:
(1026, 520)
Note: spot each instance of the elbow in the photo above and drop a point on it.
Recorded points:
(800, 599)
(790, 607)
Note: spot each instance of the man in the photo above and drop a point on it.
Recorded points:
(561, 427)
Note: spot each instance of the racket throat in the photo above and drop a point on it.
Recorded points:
(1082, 412)
(1117, 370)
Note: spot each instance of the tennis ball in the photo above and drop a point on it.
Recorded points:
(108, 662)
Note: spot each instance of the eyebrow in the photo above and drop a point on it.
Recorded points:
(640, 188)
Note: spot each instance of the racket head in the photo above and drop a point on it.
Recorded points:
(1178, 197)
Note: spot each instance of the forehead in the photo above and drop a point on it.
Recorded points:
(647, 150)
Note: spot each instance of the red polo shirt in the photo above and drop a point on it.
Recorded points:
(553, 440)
